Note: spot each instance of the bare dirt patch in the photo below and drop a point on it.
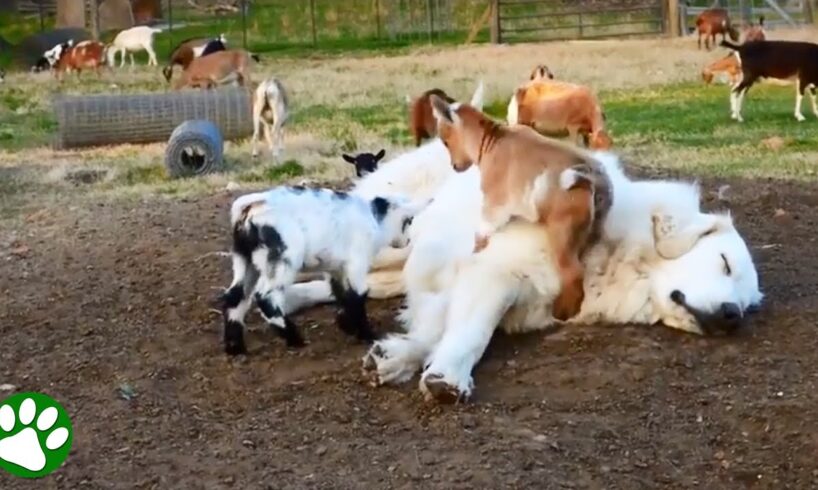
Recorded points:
(114, 293)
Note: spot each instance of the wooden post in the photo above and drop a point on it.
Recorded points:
(94, 6)
(673, 21)
(430, 20)
(243, 24)
(312, 20)
(496, 37)
(378, 17)
(809, 14)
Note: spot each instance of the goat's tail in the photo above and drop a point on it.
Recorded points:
(727, 44)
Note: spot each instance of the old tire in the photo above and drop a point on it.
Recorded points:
(194, 148)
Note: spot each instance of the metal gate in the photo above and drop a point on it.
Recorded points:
(546, 20)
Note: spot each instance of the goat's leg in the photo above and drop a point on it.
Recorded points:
(800, 87)
(700, 39)
(276, 275)
(278, 135)
(737, 95)
(268, 137)
(493, 216)
(350, 290)
(236, 302)
(812, 99)
(566, 233)
(151, 56)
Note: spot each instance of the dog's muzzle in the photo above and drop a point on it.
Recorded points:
(724, 320)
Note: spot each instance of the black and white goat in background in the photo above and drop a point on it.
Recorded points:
(282, 231)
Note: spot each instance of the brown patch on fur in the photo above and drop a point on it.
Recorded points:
(246, 210)
(84, 55)
(422, 122)
(511, 160)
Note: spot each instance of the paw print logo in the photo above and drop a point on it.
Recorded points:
(35, 435)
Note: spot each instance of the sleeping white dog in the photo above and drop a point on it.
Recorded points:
(660, 260)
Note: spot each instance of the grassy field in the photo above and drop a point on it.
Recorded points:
(659, 112)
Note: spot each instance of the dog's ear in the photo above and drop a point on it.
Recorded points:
(671, 240)
(348, 158)
(380, 154)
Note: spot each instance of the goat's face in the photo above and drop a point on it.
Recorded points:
(733, 33)
(705, 281)
(541, 72)
(451, 132)
(395, 215)
(365, 163)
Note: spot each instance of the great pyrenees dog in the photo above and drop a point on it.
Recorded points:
(660, 260)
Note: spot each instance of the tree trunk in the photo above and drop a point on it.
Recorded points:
(70, 13)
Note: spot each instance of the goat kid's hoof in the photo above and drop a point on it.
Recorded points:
(235, 348)
(800, 118)
(434, 387)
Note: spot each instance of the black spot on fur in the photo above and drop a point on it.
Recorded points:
(233, 296)
(298, 189)
(340, 195)
(290, 334)
(271, 239)
(245, 240)
(380, 206)
(234, 338)
(268, 309)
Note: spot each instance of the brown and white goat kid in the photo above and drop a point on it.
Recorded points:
(78, 57)
(270, 111)
(220, 68)
(715, 21)
(781, 60)
(555, 108)
(729, 65)
(529, 176)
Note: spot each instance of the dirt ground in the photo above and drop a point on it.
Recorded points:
(110, 294)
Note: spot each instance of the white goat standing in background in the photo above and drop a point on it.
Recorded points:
(270, 110)
(135, 39)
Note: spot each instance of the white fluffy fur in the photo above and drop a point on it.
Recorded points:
(135, 39)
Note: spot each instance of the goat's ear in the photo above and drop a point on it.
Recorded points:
(380, 154)
(672, 240)
(441, 109)
(348, 158)
(477, 97)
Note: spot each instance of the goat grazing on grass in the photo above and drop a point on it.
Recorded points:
(729, 65)
(282, 231)
(715, 21)
(130, 41)
(365, 163)
(219, 68)
(755, 32)
(555, 108)
(422, 123)
(526, 175)
(77, 57)
(270, 111)
(780, 60)
(189, 49)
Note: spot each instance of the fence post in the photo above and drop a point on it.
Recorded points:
(312, 20)
(94, 5)
(378, 17)
(809, 14)
(42, 15)
(244, 24)
(673, 20)
(496, 37)
(429, 20)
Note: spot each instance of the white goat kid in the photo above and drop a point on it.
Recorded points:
(130, 41)
(270, 111)
(285, 230)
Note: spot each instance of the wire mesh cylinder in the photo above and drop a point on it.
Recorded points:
(95, 120)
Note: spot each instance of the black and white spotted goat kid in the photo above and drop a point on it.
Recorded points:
(285, 230)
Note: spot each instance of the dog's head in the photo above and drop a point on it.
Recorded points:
(705, 280)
